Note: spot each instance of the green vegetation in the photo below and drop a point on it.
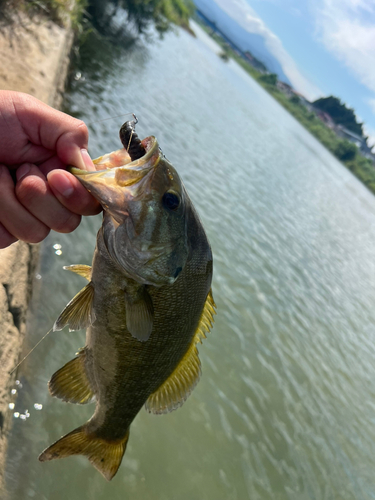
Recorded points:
(339, 113)
(60, 11)
(345, 151)
(100, 14)
(268, 79)
(162, 14)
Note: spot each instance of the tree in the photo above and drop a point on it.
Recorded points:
(339, 113)
(269, 78)
(345, 151)
(143, 13)
(295, 99)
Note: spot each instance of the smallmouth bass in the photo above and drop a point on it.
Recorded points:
(146, 306)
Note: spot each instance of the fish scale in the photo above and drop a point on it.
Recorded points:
(146, 306)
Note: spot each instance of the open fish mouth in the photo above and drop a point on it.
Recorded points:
(107, 184)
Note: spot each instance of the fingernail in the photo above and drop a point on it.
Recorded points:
(63, 186)
(87, 159)
(22, 171)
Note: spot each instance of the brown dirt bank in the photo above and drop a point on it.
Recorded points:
(34, 58)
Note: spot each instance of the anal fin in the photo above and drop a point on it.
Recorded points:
(70, 383)
(78, 313)
(179, 385)
(105, 456)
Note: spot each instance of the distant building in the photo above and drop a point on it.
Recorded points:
(326, 118)
(349, 135)
(285, 88)
(356, 139)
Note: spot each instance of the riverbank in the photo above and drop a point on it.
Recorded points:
(34, 58)
(346, 152)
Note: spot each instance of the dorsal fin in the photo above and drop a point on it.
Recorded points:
(81, 269)
(176, 389)
(70, 383)
(78, 314)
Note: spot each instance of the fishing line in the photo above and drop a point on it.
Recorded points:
(27, 355)
(89, 123)
(132, 132)
(109, 118)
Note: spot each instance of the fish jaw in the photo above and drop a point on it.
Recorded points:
(143, 234)
(113, 187)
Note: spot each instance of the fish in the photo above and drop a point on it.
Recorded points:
(147, 304)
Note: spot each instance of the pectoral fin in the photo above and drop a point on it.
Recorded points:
(81, 269)
(179, 385)
(70, 383)
(78, 314)
(139, 315)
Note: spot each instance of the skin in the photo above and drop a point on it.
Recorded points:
(123, 371)
(37, 194)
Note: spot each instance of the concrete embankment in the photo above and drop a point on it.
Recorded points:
(34, 58)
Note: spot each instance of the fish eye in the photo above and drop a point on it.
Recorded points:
(171, 200)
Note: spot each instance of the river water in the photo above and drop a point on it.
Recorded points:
(286, 405)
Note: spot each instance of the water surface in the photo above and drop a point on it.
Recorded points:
(286, 405)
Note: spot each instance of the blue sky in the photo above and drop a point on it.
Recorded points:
(324, 46)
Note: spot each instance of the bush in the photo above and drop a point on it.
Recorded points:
(268, 79)
(345, 151)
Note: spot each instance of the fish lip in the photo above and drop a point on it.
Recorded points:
(141, 165)
(112, 186)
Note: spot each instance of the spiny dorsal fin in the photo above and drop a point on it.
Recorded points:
(70, 383)
(139, 314)
(105, 456)
(177, 388)
(81, 269)
(78, 314)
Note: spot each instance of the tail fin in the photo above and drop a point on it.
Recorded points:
(105, 456)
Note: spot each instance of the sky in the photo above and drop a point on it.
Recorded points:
(326, 47)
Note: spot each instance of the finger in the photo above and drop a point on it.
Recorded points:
(52, 163)
(33, 191)
(55, 163)
(14, 217)
(50, 130)
(6, 238)
(70, 192)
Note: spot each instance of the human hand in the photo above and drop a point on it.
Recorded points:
(38, 142)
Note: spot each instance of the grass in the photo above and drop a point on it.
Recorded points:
(62, 12)
(343, 150)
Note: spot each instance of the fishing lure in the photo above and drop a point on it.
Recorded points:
(131, 141)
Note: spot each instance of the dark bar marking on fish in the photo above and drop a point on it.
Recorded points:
(131, 141)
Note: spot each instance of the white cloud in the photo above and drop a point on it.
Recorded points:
(347, 29)
(245, 16)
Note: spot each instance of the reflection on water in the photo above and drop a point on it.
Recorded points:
(286, 405)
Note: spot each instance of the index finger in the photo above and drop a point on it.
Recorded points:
(71, 194)
(50, 129)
